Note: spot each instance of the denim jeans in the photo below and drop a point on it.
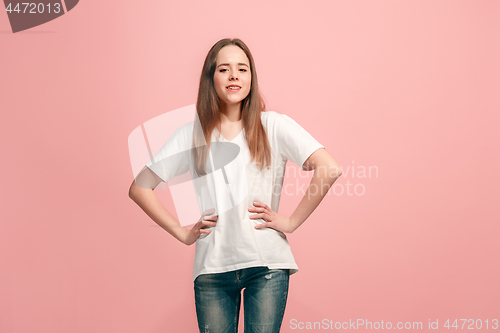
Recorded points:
(218, 297)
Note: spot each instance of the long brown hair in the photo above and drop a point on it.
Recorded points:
(208, 111)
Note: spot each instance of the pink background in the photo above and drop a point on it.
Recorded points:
(410, 87)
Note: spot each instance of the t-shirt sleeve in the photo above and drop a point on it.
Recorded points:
(294, 142)
(173, 158)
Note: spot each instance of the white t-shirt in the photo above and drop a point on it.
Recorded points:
(232, 188)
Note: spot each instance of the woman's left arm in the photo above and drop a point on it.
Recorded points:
(326, 171)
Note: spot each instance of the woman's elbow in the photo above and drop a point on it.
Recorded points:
(133, 191)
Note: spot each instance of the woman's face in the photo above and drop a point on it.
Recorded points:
(232, 77)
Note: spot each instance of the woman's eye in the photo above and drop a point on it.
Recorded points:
(225, 69)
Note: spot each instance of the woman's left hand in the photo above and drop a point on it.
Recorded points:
(274, 220)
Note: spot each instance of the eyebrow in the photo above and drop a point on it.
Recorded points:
(239, 64)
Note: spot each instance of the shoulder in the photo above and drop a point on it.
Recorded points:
(185, 130)
(264, 115)
(183, 135)
(270, 118)
(188, 127)
(273, 119)
(274, 116)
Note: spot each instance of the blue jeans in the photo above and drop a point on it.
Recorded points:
(218, 297)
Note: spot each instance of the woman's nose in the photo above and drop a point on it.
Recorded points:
(233, 76)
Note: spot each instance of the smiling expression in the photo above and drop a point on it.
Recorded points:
(232, 77)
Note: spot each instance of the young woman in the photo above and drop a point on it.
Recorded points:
(236, 154)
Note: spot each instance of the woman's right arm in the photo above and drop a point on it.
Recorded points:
(142, 193)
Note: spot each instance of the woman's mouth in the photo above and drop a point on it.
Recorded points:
(233, 88)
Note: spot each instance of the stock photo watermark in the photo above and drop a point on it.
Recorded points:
(431, 324)
(354, 184)
(26, 15)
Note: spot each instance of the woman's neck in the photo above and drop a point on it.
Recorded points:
(230, 114)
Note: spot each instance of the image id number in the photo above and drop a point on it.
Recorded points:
(33, 8)
(471, 324)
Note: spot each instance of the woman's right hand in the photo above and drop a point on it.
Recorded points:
(199, 229)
